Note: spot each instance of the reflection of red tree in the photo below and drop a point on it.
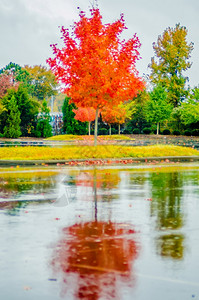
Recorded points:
(96, 254)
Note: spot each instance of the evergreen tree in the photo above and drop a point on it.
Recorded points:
(28, 108)
(12, 127)
(70, 124)
(44, 129)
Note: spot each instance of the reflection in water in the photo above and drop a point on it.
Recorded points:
(93, 256)
(14, 207)
(167, 195)
(15, 184)
(171, 245)
(103, 181)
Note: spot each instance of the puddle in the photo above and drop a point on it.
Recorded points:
(100, 233)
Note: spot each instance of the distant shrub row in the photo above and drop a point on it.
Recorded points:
(194, 132)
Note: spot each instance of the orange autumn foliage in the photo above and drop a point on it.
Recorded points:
(84, 114)
(96, 68)
(115, 115)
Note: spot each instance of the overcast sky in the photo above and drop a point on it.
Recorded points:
(28, 27)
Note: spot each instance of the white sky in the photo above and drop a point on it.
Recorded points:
(28, 27)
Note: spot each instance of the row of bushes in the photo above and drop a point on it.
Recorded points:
(194, 132)
(105, 131)
(146, 130)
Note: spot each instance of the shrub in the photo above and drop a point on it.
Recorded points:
(166, 132)
(147, 130)
(102, 131)
(114, 131)
(187, 132)
(126, 131)
(136, 131)
(195, 132)
(43, 129)
(176, 132)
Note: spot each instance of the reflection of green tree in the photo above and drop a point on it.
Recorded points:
(166, 206)
(23, 186)
(171, 245)
(166, 196)
(19, 183)
(137, 181)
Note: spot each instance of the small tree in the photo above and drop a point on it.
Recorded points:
(115, 115)
(44, 129)
(157, 108)
(96, 67)
(12, 127)
(85, 114)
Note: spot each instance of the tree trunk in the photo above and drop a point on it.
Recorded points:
(118, 128)
(89, 128)
(158, 125)
(109, 129)
(96, 127)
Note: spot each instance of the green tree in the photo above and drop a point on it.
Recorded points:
(44, 129)
(28, 108)
(70, 124)
(12, 127)
(194, 94)
(189, 112)
(138, 117)
(42, 81)
(172, 52)
(157, 108)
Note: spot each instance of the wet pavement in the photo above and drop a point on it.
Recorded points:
(100, 232)
(135, 140)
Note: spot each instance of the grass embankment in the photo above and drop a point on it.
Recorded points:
(92, 152)
(70, 137)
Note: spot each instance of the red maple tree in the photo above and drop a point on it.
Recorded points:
(85, 114)
(96, 67)
(114, 115)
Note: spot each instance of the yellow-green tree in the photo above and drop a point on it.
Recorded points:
(172, 52)
(42, 81)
